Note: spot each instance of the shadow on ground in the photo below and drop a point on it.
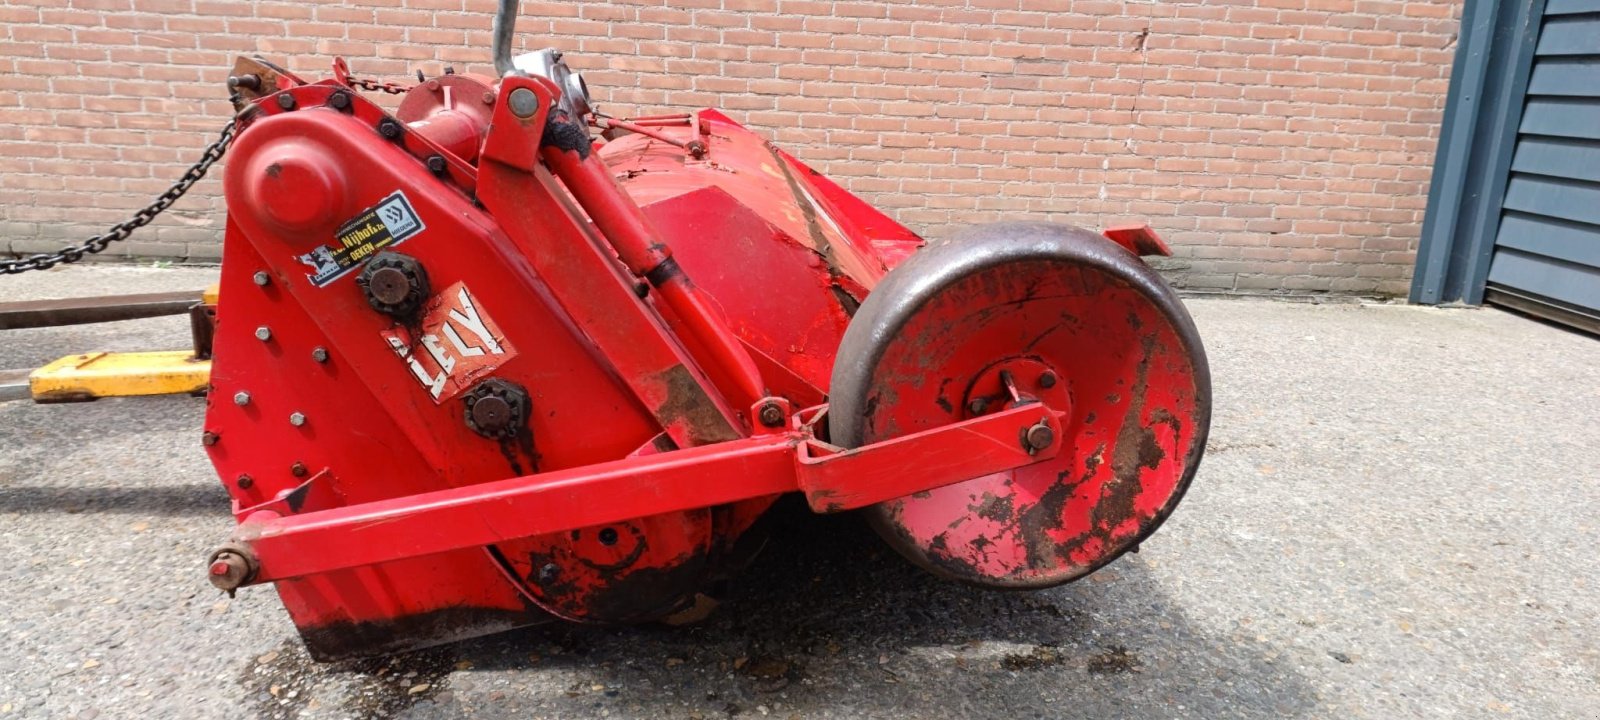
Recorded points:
(829, 622)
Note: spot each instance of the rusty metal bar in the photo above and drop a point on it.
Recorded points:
(106, 308)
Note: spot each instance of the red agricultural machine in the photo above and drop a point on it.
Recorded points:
(475, 367)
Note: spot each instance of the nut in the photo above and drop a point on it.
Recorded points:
(261, 278)
(771, 415)
(496, 409)
(263, 333)
(319, 354)
(395, 284)
(241, 398)
(297, 418)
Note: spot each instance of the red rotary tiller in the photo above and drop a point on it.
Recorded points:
(474, 368)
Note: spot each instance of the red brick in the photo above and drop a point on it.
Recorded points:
(1282, 144)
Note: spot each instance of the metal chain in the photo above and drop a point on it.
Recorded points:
(377, 86)
(122, 230)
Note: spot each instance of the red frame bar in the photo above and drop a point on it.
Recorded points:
(833, 479)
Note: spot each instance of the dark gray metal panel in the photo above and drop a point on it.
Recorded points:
(1566, 77)
(1568, 7)
(1487, 87)
(1576, 243)
(1562, 158)
(1547, 250)
(1572, 35)
(1554, 197)
(1563, 117)
(1563, 282)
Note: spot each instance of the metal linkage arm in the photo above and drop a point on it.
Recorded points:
(281, 547)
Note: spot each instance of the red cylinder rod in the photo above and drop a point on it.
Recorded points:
(453, 130)
(637, 242)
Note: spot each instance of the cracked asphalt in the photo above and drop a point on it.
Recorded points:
(1396, 518)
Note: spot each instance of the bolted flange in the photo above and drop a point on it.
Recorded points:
(395, 284)
(496, 409)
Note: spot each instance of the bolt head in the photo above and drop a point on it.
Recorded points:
(319, 354)
(1039, 437)
(339, 100)
(977, 405)
(389, 285)
(771, 415)
(263, 333)
(1047, 379)
(286, 101)
(299, 469)
(209, 438)
(523, 103)
(491, 413)
(245, 482)
(297, 419)
(261, 278)
(389, 128)
(241, 398)
(437, 164)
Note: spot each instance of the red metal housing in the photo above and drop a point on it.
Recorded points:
(474, 369)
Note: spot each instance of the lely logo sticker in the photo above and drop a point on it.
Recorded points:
(384, 225)
(455, 344)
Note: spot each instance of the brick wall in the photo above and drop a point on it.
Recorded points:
(1279, 145)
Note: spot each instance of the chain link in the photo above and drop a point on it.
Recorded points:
(377, 86)
(122, 230)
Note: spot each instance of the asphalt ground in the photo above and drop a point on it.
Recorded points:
(1397, 517)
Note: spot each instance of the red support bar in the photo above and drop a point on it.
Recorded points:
(476, 515)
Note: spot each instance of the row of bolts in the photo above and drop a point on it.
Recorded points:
(242, 398)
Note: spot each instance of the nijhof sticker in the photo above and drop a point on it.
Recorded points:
(454, 345)
(384, 225)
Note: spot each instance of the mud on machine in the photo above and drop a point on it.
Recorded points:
(475, 367)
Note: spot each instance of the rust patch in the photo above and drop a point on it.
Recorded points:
(996, 508)
(688, 403)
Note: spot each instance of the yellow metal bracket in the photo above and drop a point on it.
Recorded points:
(96, 375)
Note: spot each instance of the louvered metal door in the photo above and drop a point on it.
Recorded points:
(1547, 250)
